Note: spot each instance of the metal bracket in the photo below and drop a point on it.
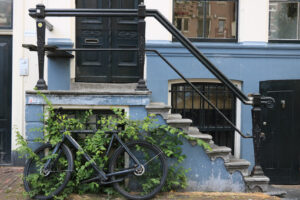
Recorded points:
(269, 102)
(262, 100)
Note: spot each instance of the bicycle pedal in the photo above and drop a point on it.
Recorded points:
(110, 182)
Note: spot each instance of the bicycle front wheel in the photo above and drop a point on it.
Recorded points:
(145, 182)
(45, 184)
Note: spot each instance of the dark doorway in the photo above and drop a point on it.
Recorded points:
(281, 150)
(189, 104)
(106, 32)
(5, 98)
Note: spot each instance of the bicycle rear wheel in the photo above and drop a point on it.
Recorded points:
(145, 182)
(45, 184)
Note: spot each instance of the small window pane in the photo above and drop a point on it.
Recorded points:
(178, 23)
(284, 21)
(221, 27)
(5, 13)
(201, 18)
(221, 11)
(186, 25)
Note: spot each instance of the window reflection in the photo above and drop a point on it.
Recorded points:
(284, 21)
(5, 13)
(206, 19)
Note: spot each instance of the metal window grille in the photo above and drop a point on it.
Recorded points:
(190, 105)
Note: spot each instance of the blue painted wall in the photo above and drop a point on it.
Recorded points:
(246, 62)
(59, 67)
(204, 174)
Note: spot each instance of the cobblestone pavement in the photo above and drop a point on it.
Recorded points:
(11, 188)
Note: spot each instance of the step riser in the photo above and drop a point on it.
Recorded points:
(241, 169)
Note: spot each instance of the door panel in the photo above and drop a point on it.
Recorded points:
(92, 32)
(5, 99)
(280, 151)
(105, 32)
(124, 35)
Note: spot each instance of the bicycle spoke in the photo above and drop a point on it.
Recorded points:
(152, 159)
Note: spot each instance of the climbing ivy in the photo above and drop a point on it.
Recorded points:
(168, 138)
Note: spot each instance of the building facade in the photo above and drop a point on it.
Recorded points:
(251, 41)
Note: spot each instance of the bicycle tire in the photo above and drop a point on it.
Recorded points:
(61, 172)
(135, 186)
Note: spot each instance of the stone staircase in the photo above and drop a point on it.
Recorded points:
(232, 164)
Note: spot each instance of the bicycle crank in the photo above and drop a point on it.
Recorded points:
(140, 171)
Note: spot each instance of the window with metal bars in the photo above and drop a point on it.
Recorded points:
(189, 104)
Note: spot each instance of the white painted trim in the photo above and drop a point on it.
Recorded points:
(6, 32)
(237, 137)
(238, 119)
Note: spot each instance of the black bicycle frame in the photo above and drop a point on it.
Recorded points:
(102, 174)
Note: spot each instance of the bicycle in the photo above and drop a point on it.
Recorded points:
(131, 166)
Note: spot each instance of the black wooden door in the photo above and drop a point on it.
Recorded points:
(105, 32)
(281, 150)
(5, 98)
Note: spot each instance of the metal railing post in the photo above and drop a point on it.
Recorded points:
(41, 29)
(258, 136)
(141, 46)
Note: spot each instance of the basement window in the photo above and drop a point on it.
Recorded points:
(189, 104)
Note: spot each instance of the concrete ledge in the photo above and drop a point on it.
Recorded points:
(89, 98)
(105, 87)
(72, 92)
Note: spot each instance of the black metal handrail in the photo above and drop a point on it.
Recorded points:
(193, 49)
(200, 93)
(162, 20)
(170, 27)
(257, 101)
(85, 12)
(54, 48)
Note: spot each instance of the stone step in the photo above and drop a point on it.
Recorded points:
(193, 130)
(174, 116)
(257, 183)
(238, 165)
(159, 108)
(195, 133)
(219, 152)
(183, 124)
(205, 137)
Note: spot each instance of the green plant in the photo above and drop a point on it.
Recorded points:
(169, 139)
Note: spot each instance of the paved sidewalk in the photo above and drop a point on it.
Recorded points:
(11, 188)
